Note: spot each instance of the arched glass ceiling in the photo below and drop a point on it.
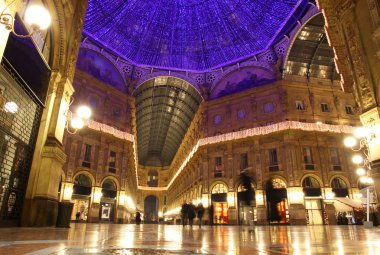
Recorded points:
(311, 55)
(165, 107)
(187, 34)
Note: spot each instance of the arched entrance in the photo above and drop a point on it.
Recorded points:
(246, 204)
(107, 202)
(277, 201)
(313, 201)
(81, 196)
(151, 209)
(219, 202)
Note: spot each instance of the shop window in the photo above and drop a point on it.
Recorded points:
(325, 107)
(273, 161)
(335, 160)
(87, 156)
(112, 162)
(349, 110)
(300, 105)
(308, 158)
(243, 161)
(218, 167)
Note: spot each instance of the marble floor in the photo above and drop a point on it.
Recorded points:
(131, 239)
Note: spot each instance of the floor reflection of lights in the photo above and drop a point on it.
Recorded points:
(174, 239)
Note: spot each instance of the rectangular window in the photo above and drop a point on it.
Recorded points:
(112, 162)
(218, 167)
(87, 153)
(273, 162)
(300, 106)
(308, 158)
(349, 110)
(87, 156)
(335, 160)
(325, 107)
(243, 161)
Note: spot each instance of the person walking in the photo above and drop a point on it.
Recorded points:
(184, 213)
(200, 212)
(211, 215)
(191, 214)
(138, 218)
(77, 216)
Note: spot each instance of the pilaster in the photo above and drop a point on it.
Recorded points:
(297, 213)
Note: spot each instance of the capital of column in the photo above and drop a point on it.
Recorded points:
(295, 195)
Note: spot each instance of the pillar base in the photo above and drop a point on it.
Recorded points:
(368, 224)
(297, 214)
(330, 211)
(232, 216)
(93, 213)
(39, 212)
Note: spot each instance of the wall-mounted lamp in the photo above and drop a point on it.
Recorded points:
(36, 16)
(77, 121)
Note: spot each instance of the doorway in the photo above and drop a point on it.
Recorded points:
(277, 201)
(151, 209)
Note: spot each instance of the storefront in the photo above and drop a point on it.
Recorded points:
(219, 202)
(108, 201)
(313, 201)
(81, 197)
(277, 201)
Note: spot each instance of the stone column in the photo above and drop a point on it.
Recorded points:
(297, 212)
(329, 205)
(93, 211)
(232, 211)
(261, 209)
(41, 199)
(121, 210)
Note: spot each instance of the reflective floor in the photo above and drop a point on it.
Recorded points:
(173, 239)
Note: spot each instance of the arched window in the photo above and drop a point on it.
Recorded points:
(219, 188)
(152, 178)
(277, 183)
(82, 185)
(311, 187)
(310, 182)
(339, 187)
(109, 188)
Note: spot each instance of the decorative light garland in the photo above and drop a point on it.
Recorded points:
(258, 131)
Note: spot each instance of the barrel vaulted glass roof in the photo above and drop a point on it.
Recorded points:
(165, 107)
(187, 34)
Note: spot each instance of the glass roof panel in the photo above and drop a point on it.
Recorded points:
(187, 34)
(159, 130)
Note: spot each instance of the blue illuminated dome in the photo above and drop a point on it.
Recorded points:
(187, 34)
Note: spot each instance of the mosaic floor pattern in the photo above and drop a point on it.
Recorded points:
(110, 239)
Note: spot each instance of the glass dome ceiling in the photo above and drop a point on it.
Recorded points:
(195, 35)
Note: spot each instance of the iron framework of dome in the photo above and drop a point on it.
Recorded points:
(165, 107)
(195, 35)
